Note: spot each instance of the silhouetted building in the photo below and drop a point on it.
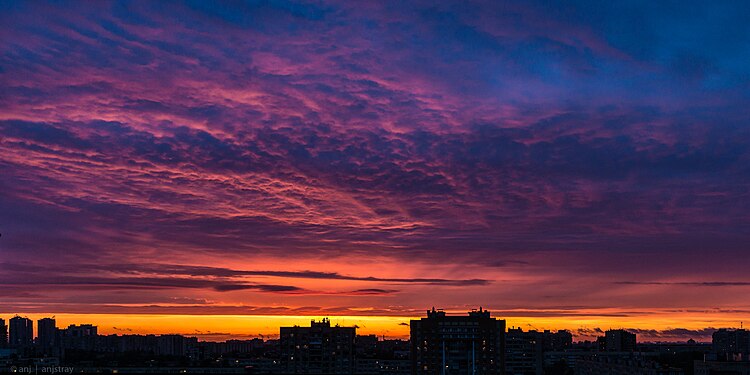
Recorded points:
(469, 344)
(619, 340)
(397, 349)
(47, 336)
(377, 366)
(622, 364)
(3, 334)
(557, 341)
(318, 349)
(21, 333)
(731, 344)
(242, 346)
(601, 343)
(174, 345)
(524, 351)
(79, 337)
(386, 357)
(564, 362)
(366, 346)
(721, 368)
(133, 343)
(670, 348)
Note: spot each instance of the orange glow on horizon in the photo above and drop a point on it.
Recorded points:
(223, 327)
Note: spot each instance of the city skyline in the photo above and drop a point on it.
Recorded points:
(581, 334)
(439, 344)
(249, 165)
(51, 322)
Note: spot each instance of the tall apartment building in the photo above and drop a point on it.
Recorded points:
(731, 344)
(48, 336)
(468, 344)
(21, 333)
(318, 349)
(524, 351)
(619, 340)
(79, 337)
(3, 334)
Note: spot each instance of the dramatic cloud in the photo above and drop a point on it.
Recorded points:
(376, 158)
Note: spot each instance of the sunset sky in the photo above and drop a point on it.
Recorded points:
(221, 169)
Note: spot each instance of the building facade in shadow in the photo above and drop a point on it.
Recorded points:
(468, 344)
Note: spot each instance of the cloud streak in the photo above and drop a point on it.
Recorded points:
(688, 283)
